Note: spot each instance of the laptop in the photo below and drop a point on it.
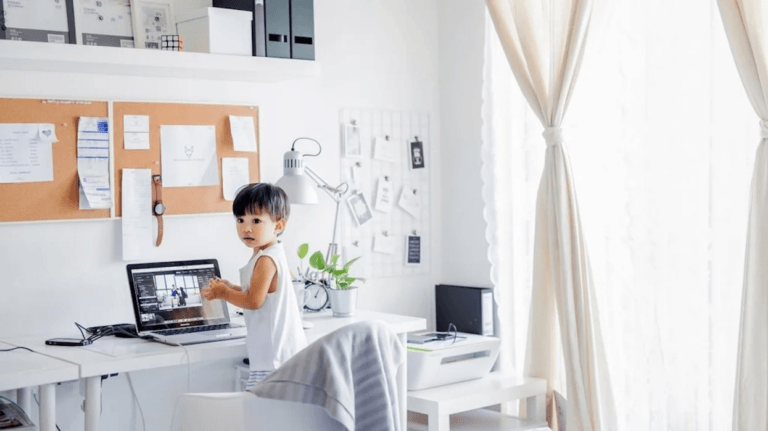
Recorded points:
(169, 306)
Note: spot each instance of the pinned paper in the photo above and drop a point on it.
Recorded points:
(360, 208)
(24, 157)
(383, 149)
(384, 196)
(234, 175)
(47, 132)
(136, 132)
(243, 133)
(410, 201)
(188, 156)
(93, 162)
(136, 123)
(136, 213)
(383, 244)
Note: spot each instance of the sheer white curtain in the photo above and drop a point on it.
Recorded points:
(662, 141)
(544, 42)
(746, 24)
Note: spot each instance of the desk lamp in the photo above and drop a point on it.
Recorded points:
(300, 189)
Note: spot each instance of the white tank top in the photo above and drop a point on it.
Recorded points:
(274, 330)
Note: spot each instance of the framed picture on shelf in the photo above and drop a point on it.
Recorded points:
(152, 19)
(105, 23)
(361, 211)
(52, 22)
(353, 145)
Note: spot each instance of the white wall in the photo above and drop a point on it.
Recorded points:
(462, 27)
(374, 54)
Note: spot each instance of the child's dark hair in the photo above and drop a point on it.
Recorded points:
(262, 197)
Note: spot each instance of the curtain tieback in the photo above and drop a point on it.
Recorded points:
(764, 129)
(553, 136)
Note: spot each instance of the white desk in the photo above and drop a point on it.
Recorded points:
(114, 355)
(21, 369)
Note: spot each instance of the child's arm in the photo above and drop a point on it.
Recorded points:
(263, 273)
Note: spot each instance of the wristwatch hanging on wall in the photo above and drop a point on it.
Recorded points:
(158, 208)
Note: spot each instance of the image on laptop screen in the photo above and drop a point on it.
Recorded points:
(167, 295)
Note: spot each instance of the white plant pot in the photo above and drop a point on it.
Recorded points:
(343, 302)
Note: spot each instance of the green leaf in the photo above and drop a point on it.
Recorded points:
(337, 272)
(303, 250)
(351, 262)
(317, 261)
(334, 259)
(351, 280)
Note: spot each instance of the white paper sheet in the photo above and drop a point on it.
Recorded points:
(136, 141)
(137, 213)
(93, 162)
(383, 244)
(383, 149)
(243, 133)
(385, 196)
(188, 155)
(234, 174)
(136, 132)
(26, 153)
(410, 201)
(136, 123)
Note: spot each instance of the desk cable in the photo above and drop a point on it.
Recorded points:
(16, 348)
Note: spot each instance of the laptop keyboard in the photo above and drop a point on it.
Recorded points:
(191, 329)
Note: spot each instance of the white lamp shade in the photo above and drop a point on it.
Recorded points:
(299, 188)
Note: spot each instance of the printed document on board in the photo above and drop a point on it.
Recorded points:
(26, 153)
(243, 133)
(93, 163)
(136, 213)
(188, 156)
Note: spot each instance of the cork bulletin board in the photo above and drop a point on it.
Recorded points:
(57, 199)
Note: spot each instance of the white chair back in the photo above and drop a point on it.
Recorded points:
(244, 411)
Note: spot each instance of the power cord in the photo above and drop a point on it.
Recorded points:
(136, 400)
(15, 348)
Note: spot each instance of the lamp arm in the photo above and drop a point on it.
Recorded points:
(333, 192)
(336, 193)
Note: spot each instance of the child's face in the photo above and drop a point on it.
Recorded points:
(258, 231)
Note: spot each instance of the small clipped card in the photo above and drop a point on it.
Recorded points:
(384, 195)
(383, 243)
(410, 201)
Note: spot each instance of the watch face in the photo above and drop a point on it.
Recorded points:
(159, 208)
(318, 297)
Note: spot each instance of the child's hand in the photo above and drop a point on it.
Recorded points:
(216, 289)
(229, 284)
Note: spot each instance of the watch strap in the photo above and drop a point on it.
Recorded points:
(158, 183)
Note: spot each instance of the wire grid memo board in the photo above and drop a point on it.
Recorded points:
(363, 167)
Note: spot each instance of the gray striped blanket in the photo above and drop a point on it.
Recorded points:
(350, 372)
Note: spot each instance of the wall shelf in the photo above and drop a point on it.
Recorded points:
(51, 57)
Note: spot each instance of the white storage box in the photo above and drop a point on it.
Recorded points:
(216, 30)
(437, 363)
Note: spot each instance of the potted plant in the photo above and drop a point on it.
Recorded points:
(338, 282)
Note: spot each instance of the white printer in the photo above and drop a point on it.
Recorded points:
(440, 358)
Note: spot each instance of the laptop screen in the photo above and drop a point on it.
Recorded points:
(167, 294)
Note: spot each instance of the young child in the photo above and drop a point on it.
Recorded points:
(265, 293)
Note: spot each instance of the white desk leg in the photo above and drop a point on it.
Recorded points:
(402, 385)
(47, 407)
(24, 400)
(438, 422)
(537, 408)
(92, 403)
